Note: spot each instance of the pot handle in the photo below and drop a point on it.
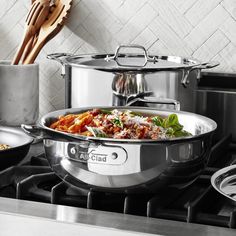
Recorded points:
(154, 100)
(147, 58)
(38, 132)
(34, 131)
(60, 57)
(204, 65)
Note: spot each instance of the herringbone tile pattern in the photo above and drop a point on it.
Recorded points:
(197, 28)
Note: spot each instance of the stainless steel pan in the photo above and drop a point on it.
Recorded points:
(19, 146)
(224, 181)
(127, 165)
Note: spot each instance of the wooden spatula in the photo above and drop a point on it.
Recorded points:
(35, 18)
(50, 28)
(34, 38)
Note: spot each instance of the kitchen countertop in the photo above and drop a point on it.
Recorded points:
(20, 217)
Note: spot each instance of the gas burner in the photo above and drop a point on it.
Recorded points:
(197, 203)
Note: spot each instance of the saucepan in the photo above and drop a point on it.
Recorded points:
(19, 144)
(127, 165)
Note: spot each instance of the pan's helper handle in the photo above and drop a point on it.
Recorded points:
(154, 100)
(204, 65)
(61, 58)
(39, 132)
(34, 131)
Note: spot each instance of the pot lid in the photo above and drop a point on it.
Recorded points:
(224, 181)
(131, 62)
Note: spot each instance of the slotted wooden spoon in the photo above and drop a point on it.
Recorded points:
(35, 18)
(50, 28)
(34, 38)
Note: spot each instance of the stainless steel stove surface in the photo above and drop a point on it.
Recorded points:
(41, 193)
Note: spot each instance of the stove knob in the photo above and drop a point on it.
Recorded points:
(114, 156)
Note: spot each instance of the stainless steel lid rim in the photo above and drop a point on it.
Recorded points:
(133, 70)
(111, 62)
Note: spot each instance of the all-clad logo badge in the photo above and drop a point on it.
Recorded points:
(90, 156)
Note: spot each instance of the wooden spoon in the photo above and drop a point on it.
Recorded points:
(50, 28)
(34, 38)
(29, 46)
(35, 18)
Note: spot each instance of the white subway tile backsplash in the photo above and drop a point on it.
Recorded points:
(198, 28)
(146, 38)
(229, 55)
(159, 48)
(169, 37)
(212, 46)
(136, 24)
(230, 6)
(228, 27)
(182, 5)
(207, 27)
(6, 6)
(200, 10)
(172, 17)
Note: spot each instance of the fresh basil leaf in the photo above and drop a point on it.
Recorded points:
(158, 121)
(172, 125)
(181, 133)
(116, 121)
(170, 131)
(171, 120)
(177, 127)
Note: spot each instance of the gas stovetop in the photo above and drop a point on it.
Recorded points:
(199, 203)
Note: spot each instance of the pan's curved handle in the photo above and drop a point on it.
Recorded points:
(34, 131)
(39, 132)
(204, 65)
(61, 58)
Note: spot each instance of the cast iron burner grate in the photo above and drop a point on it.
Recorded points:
(199, 203)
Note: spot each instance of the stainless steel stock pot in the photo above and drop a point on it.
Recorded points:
(130, 78)
(127, 165)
